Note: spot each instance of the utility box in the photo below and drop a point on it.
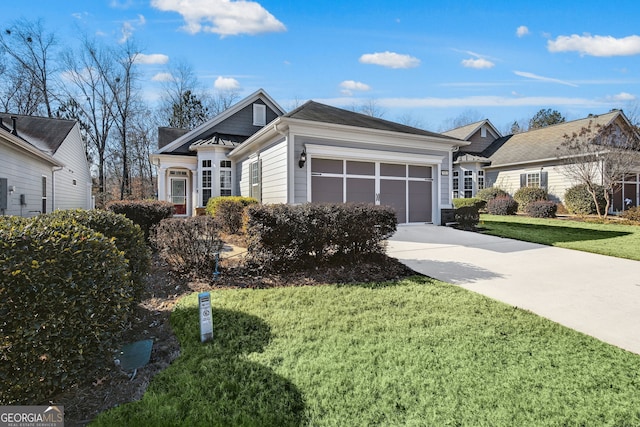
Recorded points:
(206, 320)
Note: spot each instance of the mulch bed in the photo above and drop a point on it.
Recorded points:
(111, 386)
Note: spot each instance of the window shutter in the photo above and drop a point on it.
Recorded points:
(259, 180)
(4, 195)
(544, 179)
(523, 180)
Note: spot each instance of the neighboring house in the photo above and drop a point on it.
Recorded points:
(43, 166)
(528, 159)
(315, 153)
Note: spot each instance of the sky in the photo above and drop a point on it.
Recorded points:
(419, 62)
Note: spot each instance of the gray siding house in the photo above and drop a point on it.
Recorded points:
(315, 153)
(43, 166)
(529, 159)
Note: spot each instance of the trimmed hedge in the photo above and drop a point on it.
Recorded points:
(467, 217)
(299, 236)
(526, 195)
(229, 211)
(189, 245)
(128, 236)
(578, 201)
(65, 294)
(146, 213)
(632, 214)
(489, 193)
(502, 206)
(469, 201)
(542, 209)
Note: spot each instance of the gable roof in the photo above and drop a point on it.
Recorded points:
(467, 131)
(194, 135)
(11, 139)
(541, 144)
(317, 112)
(44, 133)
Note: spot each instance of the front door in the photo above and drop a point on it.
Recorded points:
(179, 195)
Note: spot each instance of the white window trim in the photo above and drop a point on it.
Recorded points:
(259, 114)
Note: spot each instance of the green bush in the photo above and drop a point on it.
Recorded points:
(632, 214)
(502, 206)
(286, 236)
(489, 193)
(128, 238)
(229, 211)
(65, 296)
(526, 195)
(467, 217)
(469, 201)
(578, 201)
(542, 209)
(146, 213)
(189, 245)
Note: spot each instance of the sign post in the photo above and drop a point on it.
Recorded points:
(206, 321)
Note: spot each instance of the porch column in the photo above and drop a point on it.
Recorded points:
(162, 183)
(195, 185)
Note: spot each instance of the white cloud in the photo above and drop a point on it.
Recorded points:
(478, 63)
(390, 60)
(162, 77)
(224, 17)
(226, 83)
(128, 27)
(596, 45)
(621, 97)
(522, 31)
(543, 79)
(154, 58)
(348, 86)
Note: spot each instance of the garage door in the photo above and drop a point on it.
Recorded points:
(405, 187)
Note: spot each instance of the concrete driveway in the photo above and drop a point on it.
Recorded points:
(594, 294)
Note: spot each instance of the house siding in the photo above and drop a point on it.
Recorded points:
(478, 143)
(24, 172)
(274, 173)
(69, 195)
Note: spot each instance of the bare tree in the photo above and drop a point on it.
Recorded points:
(600, 156)
(369, 107)
(466, 117)
(88, 71)
(31, 50)
(142, 136)
(180, 90)
(409, 120)
(221, 100)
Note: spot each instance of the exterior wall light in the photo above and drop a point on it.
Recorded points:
(303, 159)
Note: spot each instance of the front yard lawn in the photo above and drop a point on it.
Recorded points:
(618, 240)
(416, 352)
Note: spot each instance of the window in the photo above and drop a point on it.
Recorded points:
(255, 179)
(206, 181)
(468, 184)
(44, 195)
(206, 163)
(533, 180)
(259, 114)
(480, 180)
(225, 177)
(456, 185)
(483, 132)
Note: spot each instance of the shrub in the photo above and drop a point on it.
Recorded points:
(502, 206)
(542, 209)
(489, 193)
(146, 213)
(467, 217)
(229, 211)
(188, 245)
(526, 195)
(578, 201)
(470, 201)
(128, 238)
(632, 214)
(65, 295)
(299, 236)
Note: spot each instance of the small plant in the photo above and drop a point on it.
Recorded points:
(542, 209)
(526, 195)
(502, 206)
(632, 214)
(189, 245)
(229, 211)
(467, 217)
(214, 202)
(489, 193)
(579, 201)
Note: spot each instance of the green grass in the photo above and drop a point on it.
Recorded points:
(419, 352)
(618, 240)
